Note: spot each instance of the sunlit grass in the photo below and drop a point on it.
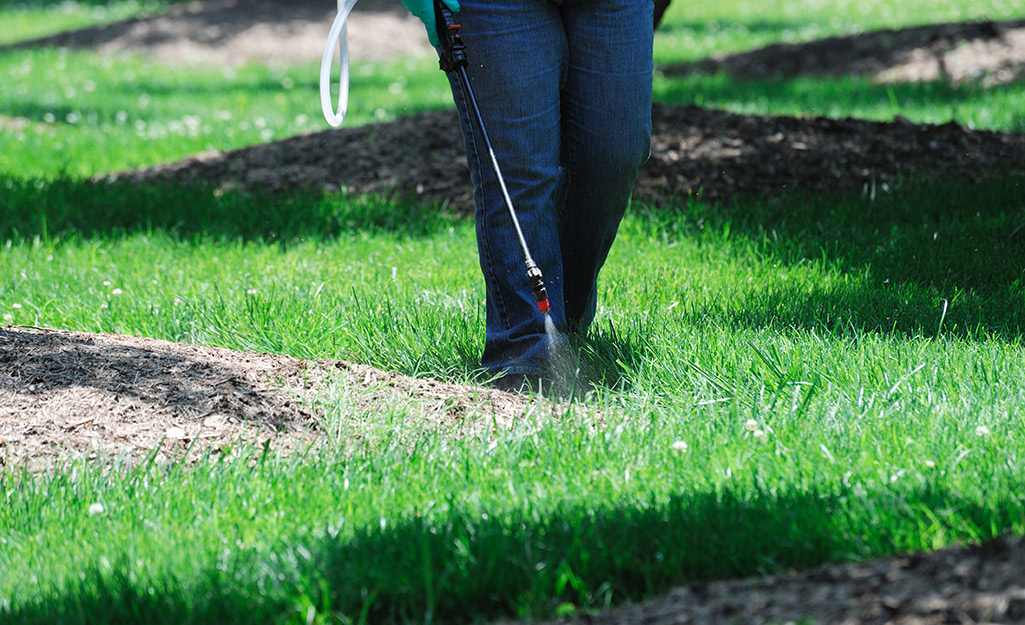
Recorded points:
(83, 114)
(22, 20)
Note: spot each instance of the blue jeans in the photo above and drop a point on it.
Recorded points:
(565, 90)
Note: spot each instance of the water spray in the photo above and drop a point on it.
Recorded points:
(452, 59)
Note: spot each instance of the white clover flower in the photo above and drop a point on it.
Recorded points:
(761, 436)
(15, 305)
(982, 431)
(751, 425)
(116, 292)
(95, 508)
(680, 447)
(8, 317)
(930, 464)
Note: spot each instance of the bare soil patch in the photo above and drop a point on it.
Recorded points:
(70, 395)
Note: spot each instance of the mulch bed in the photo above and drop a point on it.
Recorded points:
(695, 151)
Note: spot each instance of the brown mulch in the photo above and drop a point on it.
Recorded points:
(716, 154)
(68, 396)
(955, 586)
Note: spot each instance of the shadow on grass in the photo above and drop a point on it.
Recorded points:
(464, 566)
(66, 207)
(921, 259)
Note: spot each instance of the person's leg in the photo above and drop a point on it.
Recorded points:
(516, 51)
(606, 134)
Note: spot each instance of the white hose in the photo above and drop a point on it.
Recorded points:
(339, 35)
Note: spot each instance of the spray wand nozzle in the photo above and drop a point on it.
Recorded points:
(537, 285)
(452, 59)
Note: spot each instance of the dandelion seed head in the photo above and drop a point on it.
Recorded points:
(982, 431)
(680, 447)
(95, 508)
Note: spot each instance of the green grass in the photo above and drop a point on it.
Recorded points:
(874, 342)
(81, 114)
(993, 108)
(818, 319)
(690, 31)
(22, 20)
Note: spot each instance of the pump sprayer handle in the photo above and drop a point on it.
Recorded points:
(453, 52)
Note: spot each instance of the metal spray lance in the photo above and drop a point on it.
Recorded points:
(453, 59)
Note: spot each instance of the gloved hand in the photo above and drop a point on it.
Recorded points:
(424, 9)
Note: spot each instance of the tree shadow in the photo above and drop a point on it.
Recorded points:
(467, 564)
(66, 207)
(992, 52)
(920, 259)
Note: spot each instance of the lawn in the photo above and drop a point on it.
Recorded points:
(782, 382)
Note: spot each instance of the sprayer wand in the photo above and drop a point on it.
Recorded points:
(453, 59)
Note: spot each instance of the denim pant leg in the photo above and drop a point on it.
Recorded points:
(516, 52)
(524, 60)
(606, 136)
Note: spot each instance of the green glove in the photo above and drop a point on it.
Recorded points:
(424, 9)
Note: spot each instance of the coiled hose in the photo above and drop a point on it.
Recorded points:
(338, 36)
